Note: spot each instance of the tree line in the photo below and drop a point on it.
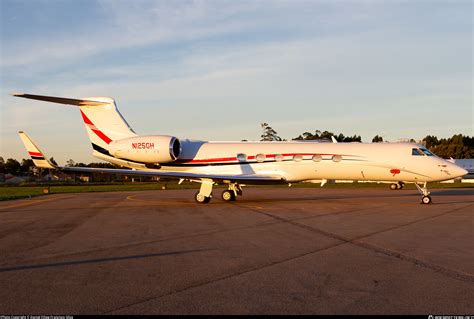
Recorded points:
(458, 146)
(12, 166)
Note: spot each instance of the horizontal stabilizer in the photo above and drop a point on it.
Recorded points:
(61, 100)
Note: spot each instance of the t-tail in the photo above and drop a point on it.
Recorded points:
(102, 119)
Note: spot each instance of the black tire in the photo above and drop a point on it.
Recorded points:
(202, 199)
(228, 196)
(426, 200)
(393, 186)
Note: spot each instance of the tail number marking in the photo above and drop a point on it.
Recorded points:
(143, 146)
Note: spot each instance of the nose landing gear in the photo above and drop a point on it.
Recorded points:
(426, 199)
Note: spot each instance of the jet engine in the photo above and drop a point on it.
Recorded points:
(147, 149)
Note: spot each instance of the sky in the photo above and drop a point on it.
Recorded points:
(215, 70)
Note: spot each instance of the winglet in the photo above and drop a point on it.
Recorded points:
(36, 155)
(333, 139)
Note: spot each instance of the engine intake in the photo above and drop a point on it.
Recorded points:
(147, 149)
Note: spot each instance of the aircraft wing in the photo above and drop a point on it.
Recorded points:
(181, 175)
(40, 160)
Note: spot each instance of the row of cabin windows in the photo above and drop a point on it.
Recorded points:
(421, 152)
(279, 157)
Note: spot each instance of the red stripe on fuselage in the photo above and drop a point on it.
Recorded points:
(231, 159)
(223, 159)
(97, 132)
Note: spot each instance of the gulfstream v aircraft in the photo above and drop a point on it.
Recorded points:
(242, 163)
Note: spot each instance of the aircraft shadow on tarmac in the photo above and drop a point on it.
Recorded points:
(457, 192)
(322, 197)
(98, 260)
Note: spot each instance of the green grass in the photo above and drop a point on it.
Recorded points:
(25, 191)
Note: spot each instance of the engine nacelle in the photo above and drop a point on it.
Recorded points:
(147, 149)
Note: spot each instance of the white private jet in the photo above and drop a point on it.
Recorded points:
(242, 163)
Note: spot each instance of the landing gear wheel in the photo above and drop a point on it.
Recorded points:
(228, 196)
(426, 200)
(393, 186)
(201, 199)
(400, 185)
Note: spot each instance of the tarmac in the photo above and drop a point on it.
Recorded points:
(273, 251)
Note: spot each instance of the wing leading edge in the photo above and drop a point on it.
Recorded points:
(183, 175)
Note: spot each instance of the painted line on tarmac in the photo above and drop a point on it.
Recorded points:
(156, 202)
(33, 201)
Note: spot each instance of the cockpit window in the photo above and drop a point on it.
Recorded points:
(428, 153)
(417, 152)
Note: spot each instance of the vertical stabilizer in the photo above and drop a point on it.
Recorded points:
(104, 123)
(102, 119)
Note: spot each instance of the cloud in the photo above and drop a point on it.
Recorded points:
(201, 70)
(128, 24)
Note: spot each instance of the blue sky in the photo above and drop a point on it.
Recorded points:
(215, 70)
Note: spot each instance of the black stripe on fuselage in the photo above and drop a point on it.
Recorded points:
(100, 149)
(37, 157)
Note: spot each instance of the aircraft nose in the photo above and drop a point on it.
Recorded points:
(459, 171)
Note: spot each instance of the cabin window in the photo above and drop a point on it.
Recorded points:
(298, 158)
(317, 158)
(427, 153)
(241, 157)
(337, 158)
(417, 152)
(260, 158)
(278, 157)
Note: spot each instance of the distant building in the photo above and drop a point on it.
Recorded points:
(12, 179)
(467, 164)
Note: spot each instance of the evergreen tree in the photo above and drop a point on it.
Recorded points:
(2, 165)
(377, 139)
(26, 165)
(12, 166)
(269, 134)
(70, 163)
(458, 146)
(326, 135)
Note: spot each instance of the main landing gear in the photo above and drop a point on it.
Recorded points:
(205, 193)
(230, 195)
(426, 199)
(396, 186)
(201, 199)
